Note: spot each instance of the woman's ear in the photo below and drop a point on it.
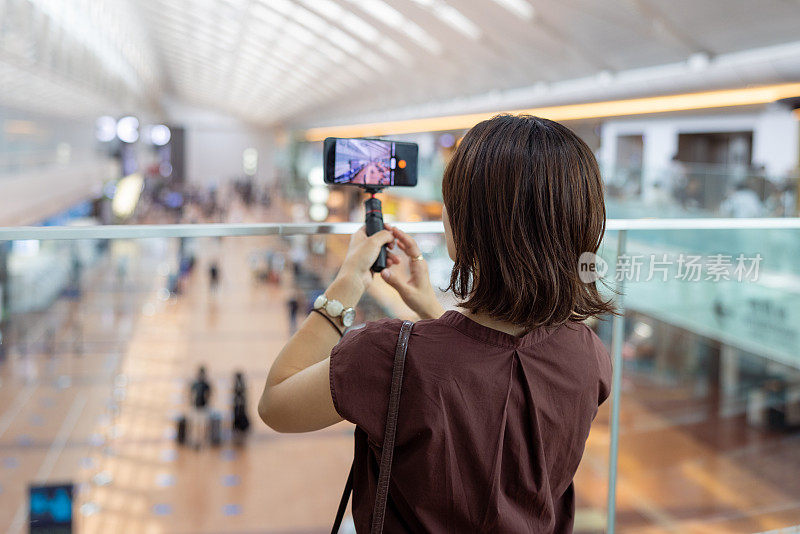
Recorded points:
(448, 235)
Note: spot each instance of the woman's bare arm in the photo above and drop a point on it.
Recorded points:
(297, 395)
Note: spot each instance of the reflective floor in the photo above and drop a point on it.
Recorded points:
(684, 469)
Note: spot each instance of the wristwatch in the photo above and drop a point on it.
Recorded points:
(334, 309)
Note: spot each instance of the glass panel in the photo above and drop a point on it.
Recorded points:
(722, 283)
(102, 338)
(686, 189)
(710, 406)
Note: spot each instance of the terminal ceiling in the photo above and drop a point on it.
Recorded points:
(277, 61)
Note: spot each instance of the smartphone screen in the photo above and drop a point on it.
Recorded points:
(370, 162)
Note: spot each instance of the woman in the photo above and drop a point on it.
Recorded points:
(498, 396)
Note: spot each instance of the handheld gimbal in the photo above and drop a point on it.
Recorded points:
(374, 223)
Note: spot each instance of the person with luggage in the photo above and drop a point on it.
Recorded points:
(241, 422)
(200, 397)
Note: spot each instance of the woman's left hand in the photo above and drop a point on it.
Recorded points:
(361, 254)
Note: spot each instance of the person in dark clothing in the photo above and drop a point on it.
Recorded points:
(213, 276)
(241, 422)
(293, 306)
(200, 397)
(498, 395)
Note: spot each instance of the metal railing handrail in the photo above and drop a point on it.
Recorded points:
(134, 231)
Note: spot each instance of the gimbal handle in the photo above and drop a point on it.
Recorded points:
(374, 224)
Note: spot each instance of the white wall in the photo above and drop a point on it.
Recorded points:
(776, 141)
(776, 136)
(215, 142)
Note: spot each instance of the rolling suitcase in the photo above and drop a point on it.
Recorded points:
(215, 429)
(180, 434)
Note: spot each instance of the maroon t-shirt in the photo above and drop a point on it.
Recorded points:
(491, 427)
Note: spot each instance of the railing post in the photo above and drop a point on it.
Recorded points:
(5, 298)
(617, 340)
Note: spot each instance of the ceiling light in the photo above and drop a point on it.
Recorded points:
(263, 13)
(309, 19)
(228, 27)
(422, 37)
(105, 129)
(447, 140)
(344, 41)
(318, 194)
(374, 60)
(128, 129)
(329, 8)
(160, 135)
(283, 6)
(63, 153)
(250, 161)
(300, 33)
(316, 60)
(238, 4)
(391, 17)
(357, 70)
(355, 26)
(394, 50)
(605, 77)
(518, 7)
(360, 27)
(699, 61)
(643, 330)
(456, 20)
(318, 212)
(383, 12)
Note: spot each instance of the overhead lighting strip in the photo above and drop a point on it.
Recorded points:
(747, 96)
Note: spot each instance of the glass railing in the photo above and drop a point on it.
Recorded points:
(104, 327)
(699, 190)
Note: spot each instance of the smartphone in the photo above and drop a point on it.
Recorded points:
(370, 162)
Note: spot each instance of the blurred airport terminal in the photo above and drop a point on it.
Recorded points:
(152, 153)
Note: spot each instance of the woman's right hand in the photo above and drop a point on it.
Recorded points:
(417, 291)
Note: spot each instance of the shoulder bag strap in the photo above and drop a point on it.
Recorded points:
(348, 487)
(387, 452)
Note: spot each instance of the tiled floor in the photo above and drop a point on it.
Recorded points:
(104, 419)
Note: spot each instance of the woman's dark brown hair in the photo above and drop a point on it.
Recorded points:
(525, 199)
